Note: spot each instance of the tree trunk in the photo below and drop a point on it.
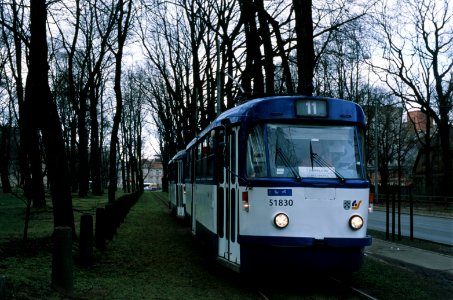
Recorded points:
(122, 34)
(447, 180)
(265, 34)
(25, 175)
(252, 78)
(45, 116)
(35, 158)
(84, 171)
(114, 138)
(73, 157)
(95, 153)
(305, 48)
(4, 159)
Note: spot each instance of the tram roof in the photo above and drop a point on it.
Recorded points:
(179, 155)
(283, 107)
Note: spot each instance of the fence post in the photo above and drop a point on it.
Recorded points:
(86, 240)
(393, 213)
(399, 212)
(2, 287)
(411, 214)
(99, 235)
(387, 213)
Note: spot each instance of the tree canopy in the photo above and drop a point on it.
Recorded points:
(113, 73)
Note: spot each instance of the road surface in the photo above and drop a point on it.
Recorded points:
(435, 229)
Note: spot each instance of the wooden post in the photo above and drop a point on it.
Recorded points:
(411, 214)
(109, 221)
(62, 261)
(393, 212)
(86, 240)
(2, 287)
(99, 236)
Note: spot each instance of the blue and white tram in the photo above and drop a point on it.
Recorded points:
(280, 181)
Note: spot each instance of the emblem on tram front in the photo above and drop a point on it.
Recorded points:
(347, 204)
(356, 205)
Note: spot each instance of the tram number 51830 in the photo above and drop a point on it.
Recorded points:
(281, 202)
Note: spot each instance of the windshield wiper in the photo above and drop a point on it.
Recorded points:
(321, 162)
(311, 155)
(286, 162)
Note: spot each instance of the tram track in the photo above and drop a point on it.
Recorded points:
(262, 295)
(163, 200)
(363, 294)
(332, 287)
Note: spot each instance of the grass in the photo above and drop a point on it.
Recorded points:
(151, 255)
(154, 257)
(12, 215)
(389, 281)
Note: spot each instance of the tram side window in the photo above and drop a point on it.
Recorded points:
(172, 175)
(199, 161)
(256, 153)
(220, 148)
(204, 160)
(188, 169)
(204, 156)
(208, 156)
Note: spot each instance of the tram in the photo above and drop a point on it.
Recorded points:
(278, 182)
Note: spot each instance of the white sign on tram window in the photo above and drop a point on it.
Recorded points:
(316, 172)
(280, 171)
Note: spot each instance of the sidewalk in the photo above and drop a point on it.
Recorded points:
(414, 256)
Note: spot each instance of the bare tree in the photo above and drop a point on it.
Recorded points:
(123, 12)
(418, 49)
(87, 49)
(5, 151)
(223, 27)
(6, 111)
(305, 47)
(131, 131)
(169, 76)
(252, 53)
(340, 68)
(30, 146)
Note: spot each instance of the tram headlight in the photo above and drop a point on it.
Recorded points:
(356, 222)
(281, 220)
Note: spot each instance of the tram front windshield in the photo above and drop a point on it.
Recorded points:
(284, 150)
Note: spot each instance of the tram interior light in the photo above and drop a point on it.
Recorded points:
(356, 222)
(281, 220)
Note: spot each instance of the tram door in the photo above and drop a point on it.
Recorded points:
(180, 190)
(227, 198)
(191, 191)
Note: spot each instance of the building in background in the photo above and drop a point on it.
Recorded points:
(152, 173)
